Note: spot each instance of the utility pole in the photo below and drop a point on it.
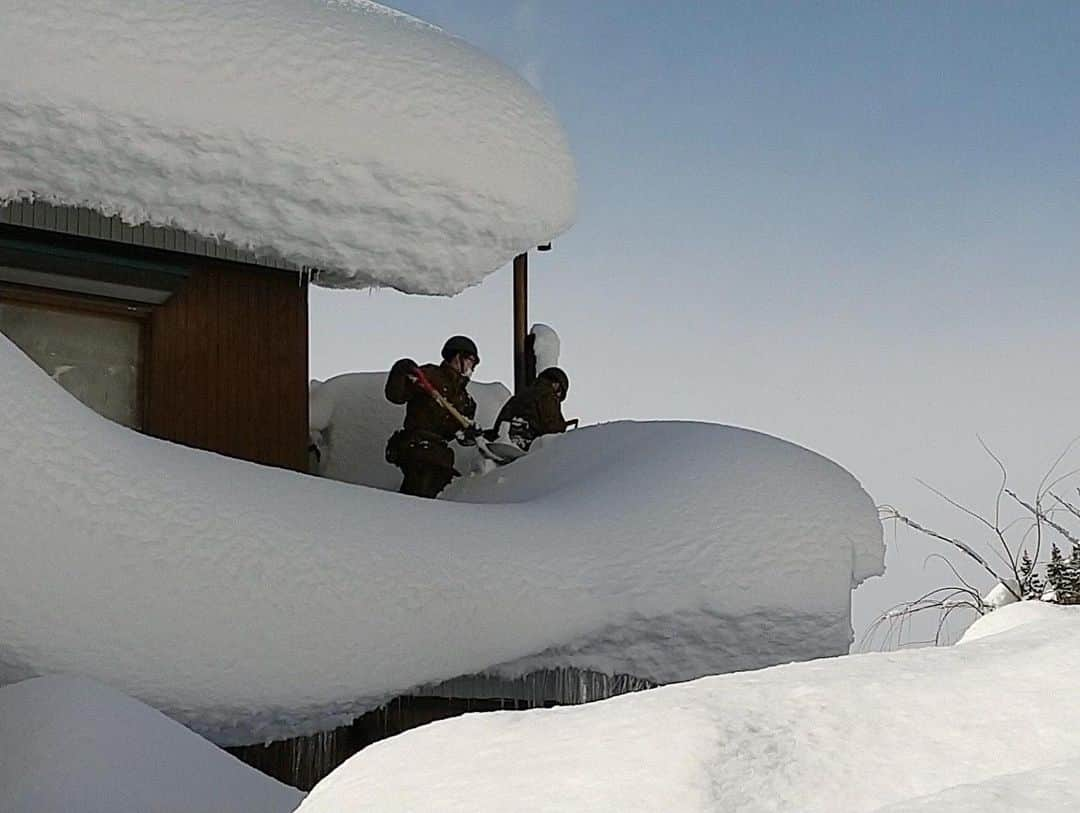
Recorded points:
(521, 318)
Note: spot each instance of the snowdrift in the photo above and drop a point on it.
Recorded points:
(254, 603)
(68, 744)
(986, 725)
(335, 134)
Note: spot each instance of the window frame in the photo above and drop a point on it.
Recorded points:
(65, 302)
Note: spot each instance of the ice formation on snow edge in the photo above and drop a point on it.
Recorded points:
(254, 603)
(339, 136)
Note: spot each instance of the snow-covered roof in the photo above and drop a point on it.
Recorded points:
(253, 603)
(333, 134)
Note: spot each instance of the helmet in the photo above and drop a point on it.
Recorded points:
(460, 345)
(556, 376)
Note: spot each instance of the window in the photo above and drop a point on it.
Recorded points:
(92, 353)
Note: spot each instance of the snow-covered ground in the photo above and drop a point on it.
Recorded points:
(254, 603)
(69, 745)
(986, 725)
(334, 133)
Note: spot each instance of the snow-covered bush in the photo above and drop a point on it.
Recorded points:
(1022, 569)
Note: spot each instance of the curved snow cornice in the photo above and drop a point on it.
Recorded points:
(254, 603)
(338, 135)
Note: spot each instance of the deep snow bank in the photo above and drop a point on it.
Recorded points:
(351, 421)
(976, 727)
(339, 135)
(1051, 786)
(68, 744)
(255, 603)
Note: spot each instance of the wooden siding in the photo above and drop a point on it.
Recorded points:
(228, 366)
(84, 222)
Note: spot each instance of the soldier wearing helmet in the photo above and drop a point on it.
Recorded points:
(537, 410)
(421, 449)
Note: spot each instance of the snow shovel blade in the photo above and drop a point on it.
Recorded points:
(500, 453)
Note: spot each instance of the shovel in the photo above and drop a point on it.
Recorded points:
(501, 457)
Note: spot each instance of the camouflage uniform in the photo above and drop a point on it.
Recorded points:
(536, 411)
(421, 449)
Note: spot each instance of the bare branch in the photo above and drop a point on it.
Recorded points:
(951, 567)
(949, 611)
(1038, 513)
(1004, 480)
(896, 515)
(943, 600)
(973, 514)
(1043, 487)
(1068, 506)
(1008, 559)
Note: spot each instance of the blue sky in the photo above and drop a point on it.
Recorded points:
(851, 225)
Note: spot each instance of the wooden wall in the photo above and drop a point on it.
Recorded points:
(227, 368)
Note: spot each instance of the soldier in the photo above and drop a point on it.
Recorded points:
(537, 410)
(421, 449)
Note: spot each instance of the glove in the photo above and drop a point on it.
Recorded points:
(468, 435)
(404, 367)
(401, 382)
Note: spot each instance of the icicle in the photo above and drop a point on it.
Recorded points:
(303, 761)
(560, 686)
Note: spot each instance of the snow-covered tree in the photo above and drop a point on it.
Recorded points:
(1069, 590)
(1055, 572)
(1031, 586)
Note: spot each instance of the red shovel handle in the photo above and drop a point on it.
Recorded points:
(422, 381)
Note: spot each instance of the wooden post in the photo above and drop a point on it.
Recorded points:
(521, 318)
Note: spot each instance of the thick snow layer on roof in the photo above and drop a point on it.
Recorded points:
(546, 346)
(339, 135)
(351, 421)
(69, 744)
(982, 727)
(255, 603)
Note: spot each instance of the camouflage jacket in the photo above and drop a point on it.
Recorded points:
(422, 413)
(537, 406)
